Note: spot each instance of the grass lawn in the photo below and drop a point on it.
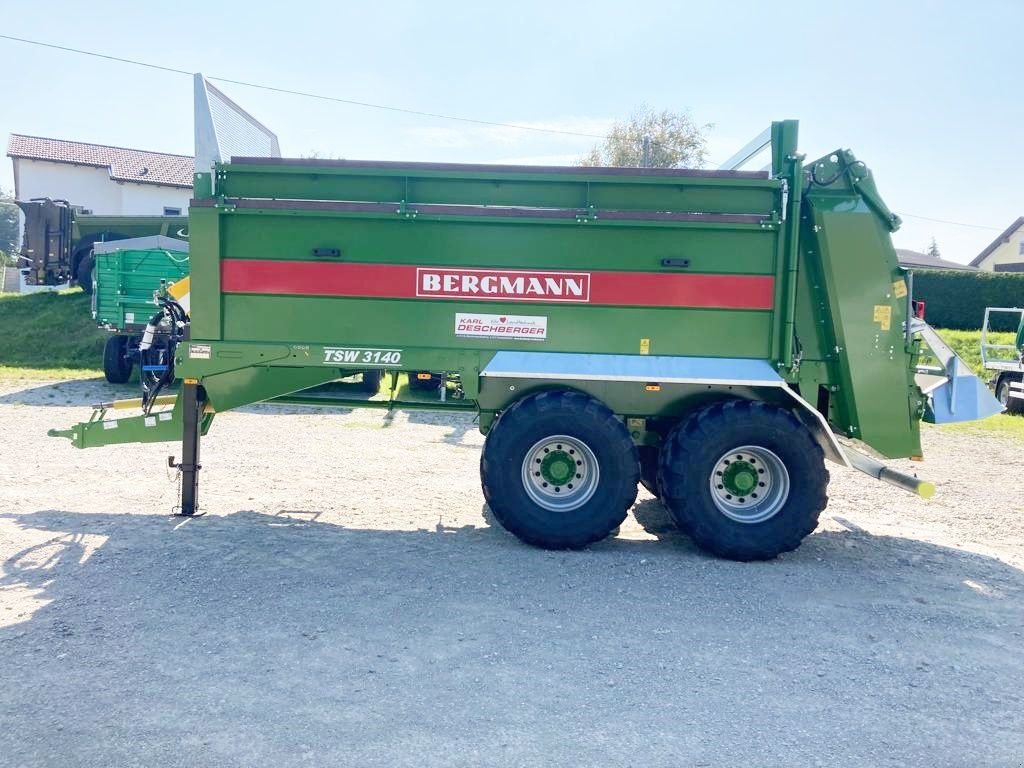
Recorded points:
(1003, 425)
(50, 334)
(967, 344)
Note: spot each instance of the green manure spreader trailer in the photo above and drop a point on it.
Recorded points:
(714, 335)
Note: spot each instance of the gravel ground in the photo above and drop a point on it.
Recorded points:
(347, 600)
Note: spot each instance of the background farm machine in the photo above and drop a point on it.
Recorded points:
(1005, 362)
(58, 239)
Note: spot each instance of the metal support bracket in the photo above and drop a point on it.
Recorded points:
(193, 402)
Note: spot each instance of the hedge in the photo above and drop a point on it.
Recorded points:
(957, 299)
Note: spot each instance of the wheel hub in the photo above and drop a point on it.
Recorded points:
(740, 478)
(560, 473)
(749, 484)
(557, 467)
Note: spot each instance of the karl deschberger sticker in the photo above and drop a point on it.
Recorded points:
(525, 327)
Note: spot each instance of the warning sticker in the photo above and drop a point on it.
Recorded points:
(521, 327)
(883, 316)
(199, 351)
(899, 288)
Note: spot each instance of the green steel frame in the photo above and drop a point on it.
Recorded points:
(298, 270)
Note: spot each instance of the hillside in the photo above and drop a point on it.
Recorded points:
(50, 330)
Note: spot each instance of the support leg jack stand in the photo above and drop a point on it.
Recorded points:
(193, 401)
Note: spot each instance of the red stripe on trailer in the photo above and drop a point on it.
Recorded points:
(404, 281)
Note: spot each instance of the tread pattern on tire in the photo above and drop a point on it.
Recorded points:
(1013, 405)
(576, 529)
(83, 274)
(683, 480)
(116, 369)
(649, 469)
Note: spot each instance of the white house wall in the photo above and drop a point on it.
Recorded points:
(1010, 252)
(150, 198)
(92, 188)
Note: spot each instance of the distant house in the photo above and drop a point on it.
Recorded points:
(918, 260)
(101, 179)
(1006, 252)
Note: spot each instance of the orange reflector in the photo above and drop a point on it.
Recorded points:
(653, 387)
(917, 458)
(423, 376)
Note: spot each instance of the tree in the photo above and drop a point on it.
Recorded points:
(8, 226)
(933, 249)
(674, 141)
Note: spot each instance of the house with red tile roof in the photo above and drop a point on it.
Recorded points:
(100, 178)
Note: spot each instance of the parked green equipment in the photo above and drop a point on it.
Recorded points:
(711, 333)
(58, 239)
(126, 278)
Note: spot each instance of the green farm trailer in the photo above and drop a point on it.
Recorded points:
(127, 276)
(715, 335)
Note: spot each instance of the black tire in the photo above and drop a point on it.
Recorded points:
(704, 442)
(1013, 405)
(649, 469)
(602, 444)
(371, 381)
(84, 272)
(117, 366)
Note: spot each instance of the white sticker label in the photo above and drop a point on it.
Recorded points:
(522, 327)
(150, 421)
(362, 356)
(164, 416)
(129, 317)
(199, 351)
(110, 425)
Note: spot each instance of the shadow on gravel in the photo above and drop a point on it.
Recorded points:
(84, 392)
(459, 423)
(277, 639)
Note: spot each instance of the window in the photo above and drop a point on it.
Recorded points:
(1021, 251)
(172, 211)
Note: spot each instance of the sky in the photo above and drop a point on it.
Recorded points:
(928, 94)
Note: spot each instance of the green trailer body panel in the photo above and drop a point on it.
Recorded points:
(128, 273)
(339, 222)
(305, 269)
(880, 404)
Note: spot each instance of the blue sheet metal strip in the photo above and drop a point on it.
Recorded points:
(660, 368)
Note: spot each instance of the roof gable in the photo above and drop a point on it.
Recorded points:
(135, 165)
(1004, 237)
